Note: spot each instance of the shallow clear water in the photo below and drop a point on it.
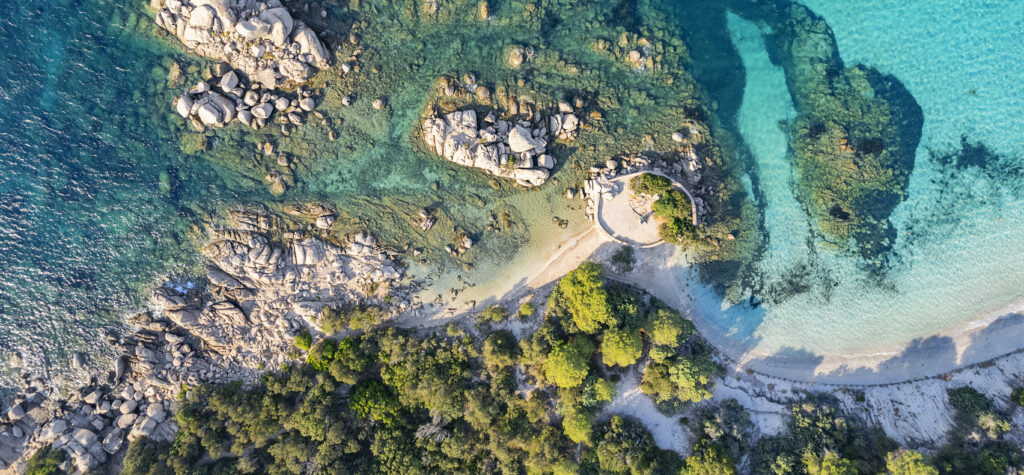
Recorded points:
(960, 251)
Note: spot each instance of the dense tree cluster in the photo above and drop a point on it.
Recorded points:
(394, 401)
(976, 442)
(821, 439)
(333, 320)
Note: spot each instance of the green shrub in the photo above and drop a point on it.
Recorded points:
(579, 427)
(583, 290)
(621, 347)
(568, 363)
(352, 356)
(670, 329)
(321, 354)
(1017, 396)
(527, 310)
(494, 314)
(708, 460)
(500, 350)
(334, 320)
(680, 379)
(374, 401)
(304, 340)
(623, 259)
(649, 184)
(908, 462)
(46, 461)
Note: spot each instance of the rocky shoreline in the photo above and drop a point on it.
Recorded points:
(261, 294)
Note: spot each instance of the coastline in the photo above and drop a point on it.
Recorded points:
(921, 358)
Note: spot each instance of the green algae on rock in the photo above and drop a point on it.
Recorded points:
(854, 137)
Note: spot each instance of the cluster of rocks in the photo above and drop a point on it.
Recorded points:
(504, 148)
(224, 98)
(281, 286)
(260, 295)
(91, 425)
(427, 220)
(464, 245)
(95, 422)
(258, 37)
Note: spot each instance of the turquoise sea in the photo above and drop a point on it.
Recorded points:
(97, 199)
(959, 251)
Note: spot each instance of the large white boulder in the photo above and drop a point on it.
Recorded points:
(228, 81)
(530, 176)
(309, 44)
(520, 139)
(280, 22)
(183, 104)
(262, 111)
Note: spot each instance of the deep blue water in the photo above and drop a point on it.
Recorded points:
(83, 218)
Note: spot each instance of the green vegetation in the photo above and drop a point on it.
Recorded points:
(820, 439)
(683, 378)
(146, 457)
(322, 354)
(334, 320)
(673, 208)
(500, 350)
(303, 340)
(46, 461)
(626, 447)
(621, 347)
(579, 427)
(587, 300)
(668, 328)
(623, 259)
(394, 401)
(494, 314)
(709, 460)
(650, 184)
(908, 462)
(976, 442)
(568, 363)
(1017, 396)
(526, 310)
(404, 404)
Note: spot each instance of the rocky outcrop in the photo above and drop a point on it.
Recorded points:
(215, 103)
(258, 37)
(95, 423)
(514, 150)
(261, 294)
